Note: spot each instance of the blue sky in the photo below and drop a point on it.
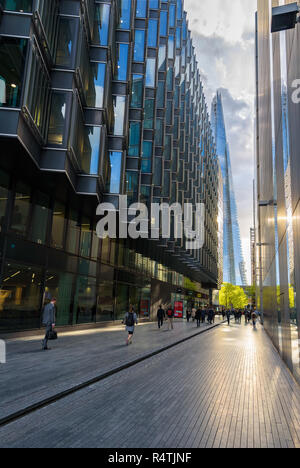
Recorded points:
(223, 35)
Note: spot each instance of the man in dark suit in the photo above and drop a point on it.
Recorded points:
(48, 321)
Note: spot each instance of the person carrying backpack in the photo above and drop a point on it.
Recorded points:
(170, 316)
(130, 321)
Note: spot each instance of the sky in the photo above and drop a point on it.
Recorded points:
(223, 35)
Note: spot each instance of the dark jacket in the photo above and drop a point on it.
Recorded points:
(49, 314)
(198, 314)
(161, 314)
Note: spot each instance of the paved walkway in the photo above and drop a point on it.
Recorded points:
(32, 375)
(225, 388)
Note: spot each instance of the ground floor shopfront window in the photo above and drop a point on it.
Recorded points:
(20, 298)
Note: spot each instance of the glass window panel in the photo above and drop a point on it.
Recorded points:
(101, 24)
(139, 46)
(58, 226)
(40, 218)
(21, 296)
(85, 300)
(12, 63)
(21, 208)
(159, 132)
(149, 113)
(4, 192)
(162, 56)
(161, 95)
(95, 92)
(125, 14)
(85, 238)
(114, 180)
(151, 72)
(134, 139)
(141, 8)
(132, 184)
(57, 119)
(91, 149)
(137, 91)
(163, 23)
(73, 232)
(152, 33)
(171, 45)
(119, 103)
(147, 157)
(23, 6)
(122, 62)
(61, 286)
(153, 4)
(66, 42)
(172, 16)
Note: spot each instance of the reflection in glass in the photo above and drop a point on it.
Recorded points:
(91, 148)
(65, 44)
(73, 232)
(4, 185)
(23, 6)
(137, 91)
(139, 46)
(132, 183)
(21, 208)
(134, 139)
(40, 218)
(147, 157)
(152, 33)
(119, 114)
(141, 8)
(60, 285)
(125, 14)
(149, 114)
(12, 62)
(20, 297)
(85, 238)
(58, 226)
(114, 179)
(151, 72)
(57, 119)
(101, 24)
(122, 51)
(95, 92)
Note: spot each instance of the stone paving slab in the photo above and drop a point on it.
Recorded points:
(32, 375)
(226, 388)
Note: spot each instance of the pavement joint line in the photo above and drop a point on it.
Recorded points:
(59, 396)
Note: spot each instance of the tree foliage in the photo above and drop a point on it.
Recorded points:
(233, 296)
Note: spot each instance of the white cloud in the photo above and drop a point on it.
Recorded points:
(223, 35)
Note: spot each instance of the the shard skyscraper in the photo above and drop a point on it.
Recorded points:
(234, 265)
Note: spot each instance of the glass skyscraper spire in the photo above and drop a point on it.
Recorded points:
(233, 262)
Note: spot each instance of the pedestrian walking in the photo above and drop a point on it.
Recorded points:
(48, 322)
(254, 319)
(210, 316)
(170, 316)
(130, 321)
(160, 316)
(194, 314)
(228, 316)
(203, 315)
(188, 315)
(198, 317)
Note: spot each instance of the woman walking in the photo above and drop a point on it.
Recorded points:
(130, 321)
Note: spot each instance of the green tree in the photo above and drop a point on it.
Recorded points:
(233, 296)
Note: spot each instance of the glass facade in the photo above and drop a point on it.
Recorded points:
(234, 271)
(277, 186)
(111, 103)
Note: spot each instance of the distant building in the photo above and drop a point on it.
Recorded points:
(234, 270)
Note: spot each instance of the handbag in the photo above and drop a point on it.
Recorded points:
(52, 335)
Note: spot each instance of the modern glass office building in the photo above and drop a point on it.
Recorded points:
(99, 99)
(277, 182)
(234, 270)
